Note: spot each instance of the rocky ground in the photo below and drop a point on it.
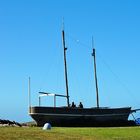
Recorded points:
(9, 123)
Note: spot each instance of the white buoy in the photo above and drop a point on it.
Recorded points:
(47, 126)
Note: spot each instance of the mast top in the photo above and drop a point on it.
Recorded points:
(92, 42)
(93, 48)
(63, 24)
(93, 53)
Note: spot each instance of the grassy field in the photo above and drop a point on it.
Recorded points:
(36, 133)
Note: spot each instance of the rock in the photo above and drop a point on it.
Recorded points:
(47, 126)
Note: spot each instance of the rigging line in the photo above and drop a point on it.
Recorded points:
(133, 117)
(115, 75)
(137, 114)
(46, 72)
(77, 41)
(118, 78)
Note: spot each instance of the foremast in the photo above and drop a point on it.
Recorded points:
(65, 67)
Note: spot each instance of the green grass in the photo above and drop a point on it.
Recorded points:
(36, 133)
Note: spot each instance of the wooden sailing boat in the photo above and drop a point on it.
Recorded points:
(74, 116)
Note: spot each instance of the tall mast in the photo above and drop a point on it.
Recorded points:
(95, 75)
(65, 65)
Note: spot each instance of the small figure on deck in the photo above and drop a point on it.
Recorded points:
(80, 105)
(73, 105)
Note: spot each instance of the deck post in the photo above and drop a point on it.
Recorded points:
(29, 94)
(39, 98)
(54, 101)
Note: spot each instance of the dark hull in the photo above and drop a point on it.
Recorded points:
(64, 116)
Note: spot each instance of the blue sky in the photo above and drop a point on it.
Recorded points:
(31, 45)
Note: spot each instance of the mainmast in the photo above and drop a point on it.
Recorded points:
(65, 66)
(95, 75)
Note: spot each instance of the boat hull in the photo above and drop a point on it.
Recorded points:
(64, 116)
